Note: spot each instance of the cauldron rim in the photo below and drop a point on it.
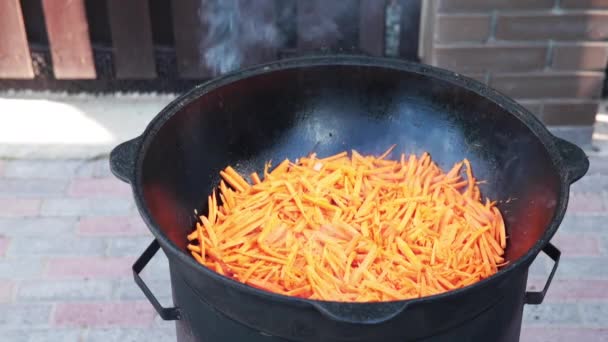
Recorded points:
(532, 123)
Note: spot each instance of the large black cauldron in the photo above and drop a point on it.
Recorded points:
(289, 108)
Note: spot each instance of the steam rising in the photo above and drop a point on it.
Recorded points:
(236, 28)
(321, 24)
(239, 32)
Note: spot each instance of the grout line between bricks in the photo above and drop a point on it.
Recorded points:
(486, 77)
(106, 242)
(75, 227)
(84, 334)
(591, 214)
(564, 325)
(493, 24)
(541, 110)
(16, 286)
(491, 43)
(67, 187)
(557, 7)
(603, 246)
(579, 301)
(44, 270)
(52, 314)
(549, 59)
(554, 11)
(579, 308)
(38, 213)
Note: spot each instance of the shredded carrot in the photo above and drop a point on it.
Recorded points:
(352, 228)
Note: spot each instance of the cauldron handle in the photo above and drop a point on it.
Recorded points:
(574, 159)
(122, 159)
(360, 313)
(536, 297)
(168, 314)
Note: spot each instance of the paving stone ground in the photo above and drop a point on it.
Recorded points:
(69, 233)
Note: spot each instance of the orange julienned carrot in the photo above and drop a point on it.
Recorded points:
(352, 228)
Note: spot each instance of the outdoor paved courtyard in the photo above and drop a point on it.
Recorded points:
(69, 233)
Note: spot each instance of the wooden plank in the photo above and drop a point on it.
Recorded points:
(326, 24)
(410, 28)
(372, 26)
(68, 33)
(427, 23)
(15, 59)
(190, 31)
(132, 39)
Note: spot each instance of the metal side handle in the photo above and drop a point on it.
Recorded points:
(168, 314)
(122, 159)
(575, 160)
(536, 297)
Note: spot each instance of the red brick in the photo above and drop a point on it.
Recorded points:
(111, 226)
(24, 315)
(586, 203)
(462, 28)
(580, 56)
(583, 268)
(567, 26)
(571, 290)
(98, 187)
(577, 244)
(123, 314)
(42, 169)
(3, 245)
(84, 206)
(489, 5)
(563, 334)
(560, 314)
(550, 85)
(584, 4)
(89, 267)
(570, 112)
(10, 207)
(482, 58)
(598, 166)
(6, 291)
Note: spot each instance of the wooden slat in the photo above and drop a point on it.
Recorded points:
(15, 59)
(372, 26)
(190, 30)
(132, 39)
(410, 28)
(326, 24)
(68, 33)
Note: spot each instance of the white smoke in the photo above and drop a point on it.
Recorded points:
(240, 29)
(235, 28)
(321, 27)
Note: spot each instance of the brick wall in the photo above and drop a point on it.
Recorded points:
(548, 54)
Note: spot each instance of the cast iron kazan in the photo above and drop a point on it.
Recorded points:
(290, 108)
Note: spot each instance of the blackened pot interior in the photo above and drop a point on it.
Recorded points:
(290, 112)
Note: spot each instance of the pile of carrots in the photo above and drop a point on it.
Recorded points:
(352, 228)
